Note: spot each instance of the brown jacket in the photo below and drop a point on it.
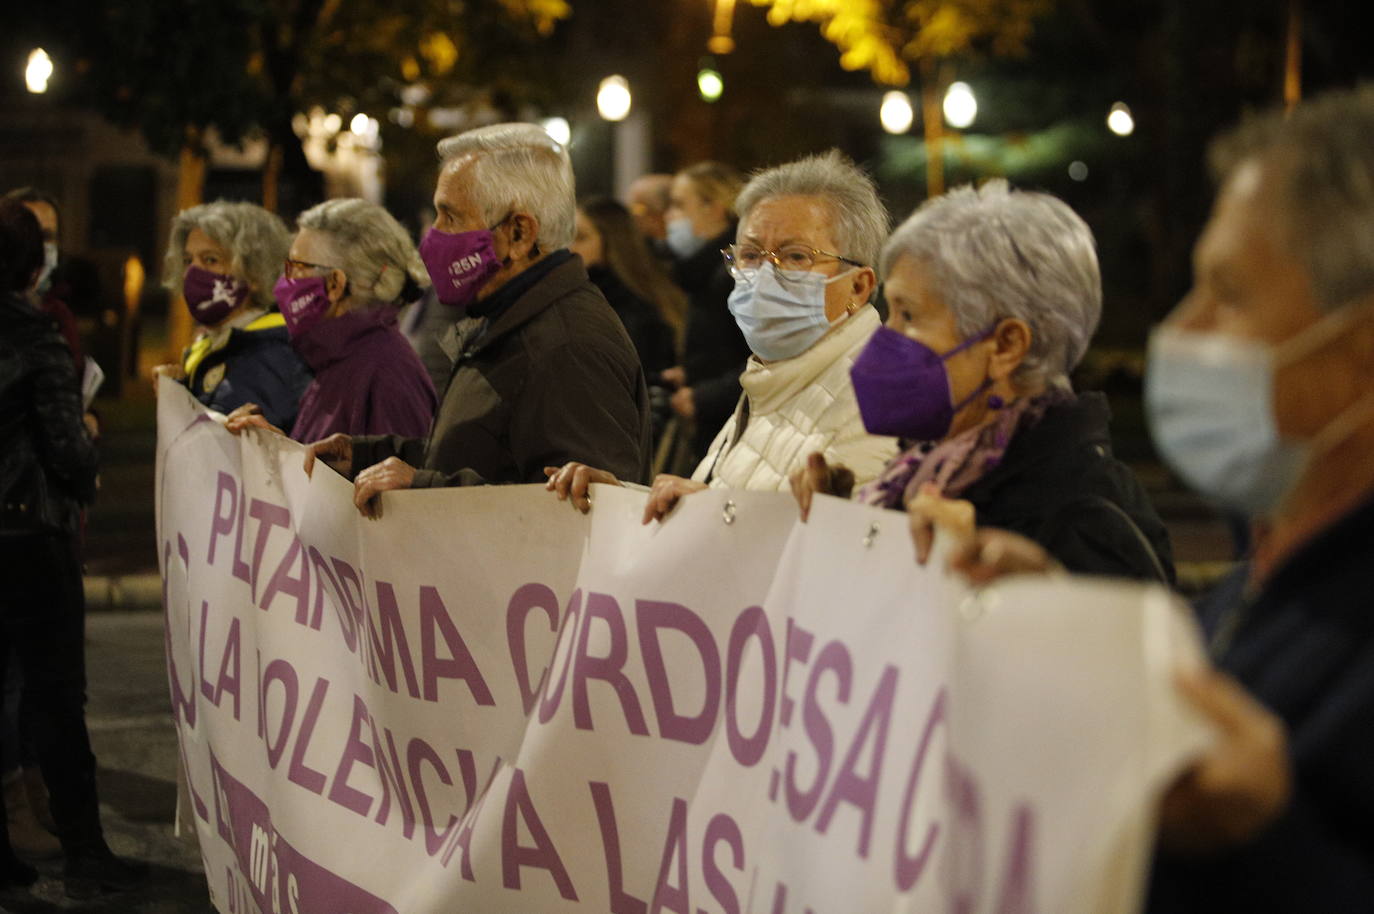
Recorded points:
(551, 377)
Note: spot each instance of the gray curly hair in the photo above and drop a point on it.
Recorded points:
(371, 247)
(994, 253)
(256, 240)
(1323, 154)
(859, 219)
(520, 166)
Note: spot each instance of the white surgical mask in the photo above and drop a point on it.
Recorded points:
(1210, 404)
(682, 241)
(781, 313)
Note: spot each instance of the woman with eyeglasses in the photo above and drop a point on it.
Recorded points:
(808, 232)
(350, 270)
(994, 295)
(223, 259)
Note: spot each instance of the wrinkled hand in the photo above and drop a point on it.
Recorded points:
(929, 511)
(819, 476)
(990, 554)
(336, 451)
(92, 423)
(684, 403)
(391, 473)
(168, 369)
(572, 480)
(666, 492)
(249, 415)
(674, 377)
(1241, 784)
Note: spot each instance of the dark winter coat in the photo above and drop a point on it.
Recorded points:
(255, 365)
(649, 332)
(1304, 647)
(1059, 484)
(47, 461)
(544, 373)
(368, 379)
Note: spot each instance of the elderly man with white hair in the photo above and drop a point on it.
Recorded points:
(808, 235)
(994, 295)
(543, 371)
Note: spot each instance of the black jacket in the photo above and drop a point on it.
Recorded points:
(551, 376)
(47, 461)
(649, 332)
(1304, 646)
(1059, 484)
(714, 350)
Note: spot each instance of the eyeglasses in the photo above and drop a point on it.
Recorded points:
(292, 269)
(745, 260)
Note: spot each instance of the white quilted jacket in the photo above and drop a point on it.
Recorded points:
(798, 406)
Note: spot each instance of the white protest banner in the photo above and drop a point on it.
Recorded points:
(485, 701)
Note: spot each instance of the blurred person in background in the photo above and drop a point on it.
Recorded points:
(994, 295)
(350, 269)
(543, 369)
(802, 285)
(648, 199)
(224, 259)
(700, 222)
(47, 472)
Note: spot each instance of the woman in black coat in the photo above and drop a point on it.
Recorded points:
(47, 472)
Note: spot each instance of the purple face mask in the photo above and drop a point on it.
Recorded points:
(459, 263)
(903, 388)
(303, 302)
(211, 297)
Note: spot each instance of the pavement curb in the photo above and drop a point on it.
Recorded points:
(122, 592)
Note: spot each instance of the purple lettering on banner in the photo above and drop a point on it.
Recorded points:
(298, 771)
(391, 642)
(849, 787)
(285, 673)
(669, 897)
(356, 751)
(609, 669)
(347, 625)
(908, 867)
(722, 828)
(460, 664)
(526, 598)
(463, 841)
(183, 699)
(621, 902)
(239, 567)
(1018, 884)
(652, 616)
(467, 770)
(542, 855)
(780, 899)
(753, 622)
(205, 688)
(219, 522)
(833, 658)
(268, 516)
(567, 639)
(417, 751)
(393, 781)
(297, 585)
(965, 857)
(229, 678)
(799, 650)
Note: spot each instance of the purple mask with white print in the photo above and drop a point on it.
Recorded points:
(211, 297)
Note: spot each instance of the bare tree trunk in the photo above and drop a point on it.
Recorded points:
(933, 118)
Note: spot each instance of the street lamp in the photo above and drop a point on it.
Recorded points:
(38, 71)
(1120, 121)
(960, 106)
(613, 98)
(896, 113)
(710, 84)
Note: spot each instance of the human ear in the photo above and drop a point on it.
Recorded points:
(862, 285)
(1011, 344)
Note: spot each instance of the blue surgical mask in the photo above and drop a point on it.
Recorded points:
(781, 313)
(682, 241)
(1210, 404)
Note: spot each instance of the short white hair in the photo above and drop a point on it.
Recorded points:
(374, 250)
(519, 167)
(256, 241)
(859, 221)
(993, 253)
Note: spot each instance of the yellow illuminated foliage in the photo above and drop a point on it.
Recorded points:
(543, 13)
(883, 36)
(439, 52)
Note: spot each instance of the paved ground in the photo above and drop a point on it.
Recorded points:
(134, 741)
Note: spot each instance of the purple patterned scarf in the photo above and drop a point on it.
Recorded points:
(956, 463)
